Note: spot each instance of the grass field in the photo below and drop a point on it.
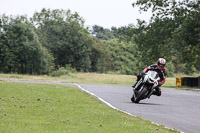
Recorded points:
(43, 108)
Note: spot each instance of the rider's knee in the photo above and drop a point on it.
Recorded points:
(157, 93)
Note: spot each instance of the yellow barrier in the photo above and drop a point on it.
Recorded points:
(179, 81)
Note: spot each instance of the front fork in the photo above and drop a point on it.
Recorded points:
(137, 84)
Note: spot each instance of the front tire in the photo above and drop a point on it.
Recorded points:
(141, 94)
(133, 98)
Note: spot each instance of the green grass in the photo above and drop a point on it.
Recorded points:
(44, 108)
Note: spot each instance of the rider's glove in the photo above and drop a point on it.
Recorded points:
(140, 74)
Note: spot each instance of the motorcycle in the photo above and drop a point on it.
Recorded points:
(146, 86)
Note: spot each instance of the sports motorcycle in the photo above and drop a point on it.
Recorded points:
(146, 86)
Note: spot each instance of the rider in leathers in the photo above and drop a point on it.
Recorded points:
(160, 68)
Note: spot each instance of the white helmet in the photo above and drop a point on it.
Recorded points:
(161, 63)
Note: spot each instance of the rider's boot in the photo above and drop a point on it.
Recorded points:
(157, 93)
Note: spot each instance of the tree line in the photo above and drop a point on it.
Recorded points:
(55, 39)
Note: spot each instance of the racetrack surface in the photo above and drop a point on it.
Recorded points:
(176, 109)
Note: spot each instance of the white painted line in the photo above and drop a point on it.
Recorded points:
(95, 96)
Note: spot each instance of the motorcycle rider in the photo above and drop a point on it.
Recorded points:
(160, 68)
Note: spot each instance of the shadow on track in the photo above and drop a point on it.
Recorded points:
(141, 103)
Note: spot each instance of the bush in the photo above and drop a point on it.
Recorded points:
(170, 69)
(63, 71)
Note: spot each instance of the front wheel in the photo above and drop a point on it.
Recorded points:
(141, 94)
(133, 97)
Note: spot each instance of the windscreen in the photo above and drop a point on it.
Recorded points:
(153, 74)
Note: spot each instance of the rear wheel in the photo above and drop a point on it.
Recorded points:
(141, 94)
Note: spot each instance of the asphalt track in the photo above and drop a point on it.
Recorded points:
(175, 109)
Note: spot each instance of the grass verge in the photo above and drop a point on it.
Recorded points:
(26, 107)
(96, 78)
(93, 78)
(89, 78)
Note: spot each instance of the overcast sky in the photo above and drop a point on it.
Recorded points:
(105, 13)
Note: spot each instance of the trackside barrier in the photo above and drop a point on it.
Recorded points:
(179, 81)
(188, 81)
(199, 81)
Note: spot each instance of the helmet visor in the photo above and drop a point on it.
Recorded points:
(161, 66)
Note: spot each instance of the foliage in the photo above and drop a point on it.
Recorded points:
(124, 57)
(174, 30)
(153, 41)
(101, 33)
(53, 39)
(62, 33)
(62, 71)
(170, 69)
(125, 33)
(100, 57)
(122, 53)
(20, 49)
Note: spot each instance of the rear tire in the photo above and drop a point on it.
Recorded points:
(141, 94)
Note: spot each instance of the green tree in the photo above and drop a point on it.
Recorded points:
(20, 49)
(125, 33)
(102, 33)
(123, 56)
(174, 31)
(100, 56)
(64, 35)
